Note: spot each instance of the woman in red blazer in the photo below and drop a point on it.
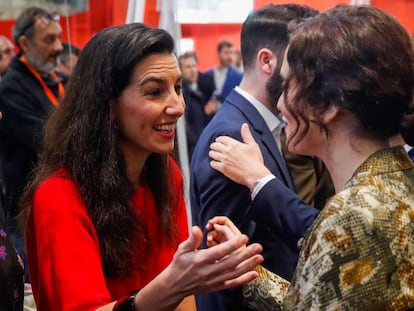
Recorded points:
(105, 212)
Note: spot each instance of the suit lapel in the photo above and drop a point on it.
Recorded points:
(269, 141)
(263, 137)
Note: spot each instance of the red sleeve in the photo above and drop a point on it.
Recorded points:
(63, 251)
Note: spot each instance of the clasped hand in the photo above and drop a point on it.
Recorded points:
(221, 229)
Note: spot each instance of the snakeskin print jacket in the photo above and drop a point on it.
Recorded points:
(359, 252)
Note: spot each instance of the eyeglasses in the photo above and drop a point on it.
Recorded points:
(45, 18)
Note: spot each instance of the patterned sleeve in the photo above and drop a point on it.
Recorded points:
(266, 292)
(350, 259)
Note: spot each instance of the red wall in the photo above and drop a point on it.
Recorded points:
(403, 10)
(101, 14)
(206, 38)
(321, 5)
(104, 13)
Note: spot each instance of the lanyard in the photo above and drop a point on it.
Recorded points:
(52, 97)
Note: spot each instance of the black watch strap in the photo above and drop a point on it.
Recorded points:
(128, 304)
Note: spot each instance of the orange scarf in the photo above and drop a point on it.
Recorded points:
(52, 97)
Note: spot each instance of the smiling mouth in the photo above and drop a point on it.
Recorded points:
(165, 128)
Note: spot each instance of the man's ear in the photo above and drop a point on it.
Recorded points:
(266, 60)
(24, 43)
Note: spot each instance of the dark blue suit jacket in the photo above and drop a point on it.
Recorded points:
(277, 218)
(233, 78)
(411, 154)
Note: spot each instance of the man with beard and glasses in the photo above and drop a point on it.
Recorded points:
(264, 38)
(28, 92)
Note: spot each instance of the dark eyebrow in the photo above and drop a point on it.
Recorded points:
(158, 80)
(152, 79)
(52, 35)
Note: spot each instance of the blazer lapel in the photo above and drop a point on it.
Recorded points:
(270, 143)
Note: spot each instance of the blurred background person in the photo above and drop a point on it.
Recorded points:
(200, 104)
(7, 54)
(238, 61)
(28, 92)
(67, 60)
(225, 76)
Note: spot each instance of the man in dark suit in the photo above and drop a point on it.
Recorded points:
(206, 85)
(264, 38)
(28, 93)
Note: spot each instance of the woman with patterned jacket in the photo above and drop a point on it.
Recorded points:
(348, 83)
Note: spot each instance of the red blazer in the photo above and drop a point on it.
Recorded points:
(64, 253)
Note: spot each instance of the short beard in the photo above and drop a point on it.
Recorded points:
(274, 90)
(39, 65)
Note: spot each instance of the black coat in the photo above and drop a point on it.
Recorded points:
(195, 117)
(206, 85)
(25, 107)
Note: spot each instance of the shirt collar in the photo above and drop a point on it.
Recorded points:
(271, 120)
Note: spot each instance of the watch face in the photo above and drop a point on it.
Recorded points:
(128, 304)
(131, 301)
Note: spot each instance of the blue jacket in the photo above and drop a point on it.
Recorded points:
(277, 218)
(233, 79)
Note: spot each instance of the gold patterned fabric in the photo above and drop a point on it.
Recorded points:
(359, 252)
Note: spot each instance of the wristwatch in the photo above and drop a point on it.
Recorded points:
(128, 304)
(131, 301)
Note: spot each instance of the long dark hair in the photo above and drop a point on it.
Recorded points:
(357, 58)
(81, 136)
